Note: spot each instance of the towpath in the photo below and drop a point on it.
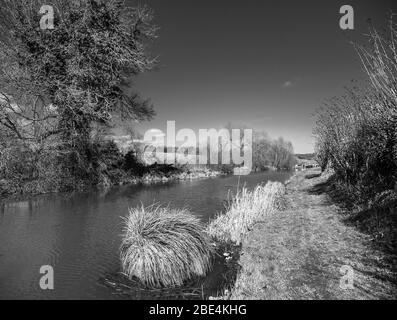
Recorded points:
(308, 252)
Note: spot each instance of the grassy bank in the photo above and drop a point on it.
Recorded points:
(273, 242)
(298, 253)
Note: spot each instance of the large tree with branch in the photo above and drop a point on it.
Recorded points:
(62, 80)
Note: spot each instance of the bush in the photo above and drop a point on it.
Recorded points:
(163, 247)
(28, 170)
(244, 210)
(35, 169)
(356, 134)
(133, 164)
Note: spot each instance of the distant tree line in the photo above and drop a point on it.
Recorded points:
(269, 153)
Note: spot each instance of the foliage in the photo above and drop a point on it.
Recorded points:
(133, 164)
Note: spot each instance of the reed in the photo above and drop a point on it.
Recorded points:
(244, 210)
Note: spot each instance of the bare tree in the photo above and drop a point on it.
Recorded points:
(82, 67)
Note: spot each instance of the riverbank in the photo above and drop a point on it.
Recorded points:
(154, 174)
(164, 173)
(27, 171)
(301, 252)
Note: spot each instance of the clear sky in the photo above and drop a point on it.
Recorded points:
(264, 64)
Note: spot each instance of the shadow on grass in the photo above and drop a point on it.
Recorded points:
(222, 277)
(335, 196)
(378, 221)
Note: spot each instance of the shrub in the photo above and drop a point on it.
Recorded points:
(163, 247)
(133, 164)
(24, 169)
(356, 134)
(245, 209)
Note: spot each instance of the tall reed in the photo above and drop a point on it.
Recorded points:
(246, 208)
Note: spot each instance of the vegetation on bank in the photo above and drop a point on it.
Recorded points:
(267, 153)
(302, 252)
(25, 171)
(61, 88)
(163, 247)
(245, 209)
(357, 135)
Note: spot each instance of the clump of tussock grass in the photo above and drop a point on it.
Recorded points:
(244, 210)
(164, 247)
(222, 277)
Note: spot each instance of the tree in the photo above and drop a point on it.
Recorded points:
(266, 152)
(261, 149)
(81, 67)
(26, 119)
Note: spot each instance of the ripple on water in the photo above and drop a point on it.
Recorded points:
(79, 234)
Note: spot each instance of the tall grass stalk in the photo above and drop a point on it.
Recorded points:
(244, 210)
(164, 247)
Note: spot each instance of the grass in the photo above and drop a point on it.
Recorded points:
(244, 210)
(298, 253)
(164, 247)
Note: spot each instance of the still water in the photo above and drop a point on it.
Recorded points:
(79, 234)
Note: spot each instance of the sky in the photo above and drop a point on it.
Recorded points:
(264, 64)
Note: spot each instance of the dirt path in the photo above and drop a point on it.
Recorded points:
(298, 254)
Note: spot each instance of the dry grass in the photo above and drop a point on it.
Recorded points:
(244, 210)
(163, 247)
(298, 253)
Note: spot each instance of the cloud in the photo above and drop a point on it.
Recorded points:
(287, 84)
